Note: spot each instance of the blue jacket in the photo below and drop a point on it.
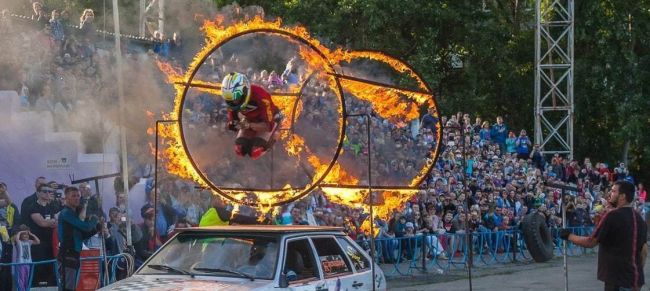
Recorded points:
(499, 133)
(73, 231)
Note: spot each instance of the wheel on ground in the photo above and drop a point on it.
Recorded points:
(538, 237)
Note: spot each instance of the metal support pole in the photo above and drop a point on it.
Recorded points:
(161, 16)
(464, 173)
(564, 244)
(155, 184)
(120, 93)
(155, 175)
(141, 23)
(371, 201)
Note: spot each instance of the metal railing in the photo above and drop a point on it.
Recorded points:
(444, 252)
(112, 262)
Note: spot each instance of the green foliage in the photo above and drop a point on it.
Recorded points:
(496, 46)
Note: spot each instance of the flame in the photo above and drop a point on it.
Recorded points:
(388, 101)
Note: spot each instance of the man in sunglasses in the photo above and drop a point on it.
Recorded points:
(41, 220)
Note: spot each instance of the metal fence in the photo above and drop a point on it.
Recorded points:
(112, 263)
(444, 252)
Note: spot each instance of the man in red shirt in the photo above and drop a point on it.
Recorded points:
(621, 236)
(251, 112)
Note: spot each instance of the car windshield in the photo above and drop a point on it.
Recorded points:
(229, 255)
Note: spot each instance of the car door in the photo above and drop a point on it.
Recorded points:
(361, 264)
(335, 265)
(301, 267)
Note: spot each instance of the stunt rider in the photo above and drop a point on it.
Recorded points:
(251, 113)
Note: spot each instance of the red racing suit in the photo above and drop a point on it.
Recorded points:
(260, 108)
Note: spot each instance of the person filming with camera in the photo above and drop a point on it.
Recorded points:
(72, 231)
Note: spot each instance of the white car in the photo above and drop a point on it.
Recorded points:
(256, 257)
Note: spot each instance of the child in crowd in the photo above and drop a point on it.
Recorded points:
(23, 242)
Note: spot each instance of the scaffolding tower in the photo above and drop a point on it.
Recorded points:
(554, 107)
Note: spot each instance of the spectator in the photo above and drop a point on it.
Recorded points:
(150, 241)
(297, 216)
(484, 134)
(22, 244)
(537, 158)
(30, 199)
(92, 200)
(39, 16)
(9, 217)
(499, 133)
(511, 146)
(116, 228)
(218, 214)
(87, 25)
(523, 145)
(290, 76)
(57, 31)
(72, 231)
(41, 221)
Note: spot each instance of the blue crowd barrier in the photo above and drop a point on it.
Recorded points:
(448, 251)
(112, 263)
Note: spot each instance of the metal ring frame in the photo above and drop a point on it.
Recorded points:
(343, 118)
(339, 146)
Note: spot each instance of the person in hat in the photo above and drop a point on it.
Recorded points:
(150, 240)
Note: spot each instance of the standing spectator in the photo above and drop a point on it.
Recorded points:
(57, 31)
(430, 121)
(485, 133)
(499, 133)
(39, 16)
(511, 146)
(87, 25)
(9, 217)
(117, 235)
(41, 221)
(23, 241)
(87, 35)
(72, 232)
(290, 76)
(149, 241)
(621, 235)
(523, 145)
(31, 199)
(94, 207)
(538, 158)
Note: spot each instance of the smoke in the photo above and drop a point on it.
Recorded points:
(87, 94)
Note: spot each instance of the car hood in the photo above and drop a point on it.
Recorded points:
(169, 283)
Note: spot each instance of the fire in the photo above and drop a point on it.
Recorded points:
(390, 102)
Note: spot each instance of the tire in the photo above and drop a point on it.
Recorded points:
(538, 237)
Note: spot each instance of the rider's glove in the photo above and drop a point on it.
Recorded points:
(232, 125)
(564, 233)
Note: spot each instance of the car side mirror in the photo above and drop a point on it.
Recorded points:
(284, 283)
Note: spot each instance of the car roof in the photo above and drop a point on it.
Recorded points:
(278, 229)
